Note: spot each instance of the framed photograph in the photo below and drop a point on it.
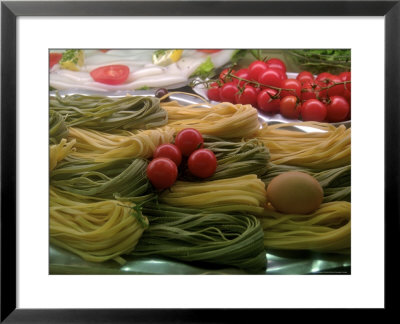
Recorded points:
(167, 161)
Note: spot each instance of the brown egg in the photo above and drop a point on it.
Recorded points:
(295, 192)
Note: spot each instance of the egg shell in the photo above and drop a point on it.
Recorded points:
(295, 192)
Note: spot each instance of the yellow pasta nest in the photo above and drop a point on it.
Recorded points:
(223, 120)
(327, 149)
(101, 146)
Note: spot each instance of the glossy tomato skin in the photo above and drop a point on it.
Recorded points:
(256, 68)
(214, 92)
(292, 84)
(276, 63)
(289, 107)
(266, 103)
(313, 110)
(305, 76)
(162, 173)
(188, 140)
(242, 73)
(337, 109)
(271, 77)
(247, 97)
(54, 58)
(111, 74)
(169, 151)
(202, 163)
(228, 92)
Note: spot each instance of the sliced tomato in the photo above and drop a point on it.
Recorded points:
(54, 58)
(111, 74)
(209, 51)
(104, 50)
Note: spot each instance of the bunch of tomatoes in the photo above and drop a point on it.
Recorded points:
(187, 153)
(265, 85)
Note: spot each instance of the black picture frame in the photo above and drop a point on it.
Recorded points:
(11, 10)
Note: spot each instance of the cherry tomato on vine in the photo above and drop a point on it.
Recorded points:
(323, 76)
(291, 84)
(228, 92)
(313, 110)
(242, 73)
(213, 92)
(337, 109)
(270, 77)
(276, 63)
(188, 140)
(346, 76)
(169, 151)
(338, 89)
(223, 75)
(290, 107)
(256, 68)
(162, 173)
(248, 96)
(202, 163)
(111, 74)
(54, 58)
(305, 76)
(308, 91)
(266, 103)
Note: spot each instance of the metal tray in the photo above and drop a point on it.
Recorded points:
(278, 262)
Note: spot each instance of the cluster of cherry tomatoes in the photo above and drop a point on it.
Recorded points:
(162, 171)
(265, 85)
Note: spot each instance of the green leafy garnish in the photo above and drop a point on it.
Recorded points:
(204, 69)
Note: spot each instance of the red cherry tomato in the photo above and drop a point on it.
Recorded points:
(305, 76)
(291, 84)
(338, 89)
(213, 93)
(111, 74)
(223, 75)
(242, 73)
(169, 151)
(276, 63)
(54, 58)
(256, 68)
(308, 91)
(188, 140)
(323, 76)
(346, 76)
(289, 107)
(210, 51)
(270, 77)
(338, 109)
(313, 110)
(162, 173)
(202, 163)
(266, 103)
(247, 97)
(228, 92)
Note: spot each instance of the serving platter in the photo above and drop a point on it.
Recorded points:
(278, 262)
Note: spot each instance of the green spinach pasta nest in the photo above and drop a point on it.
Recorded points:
(108, 113)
